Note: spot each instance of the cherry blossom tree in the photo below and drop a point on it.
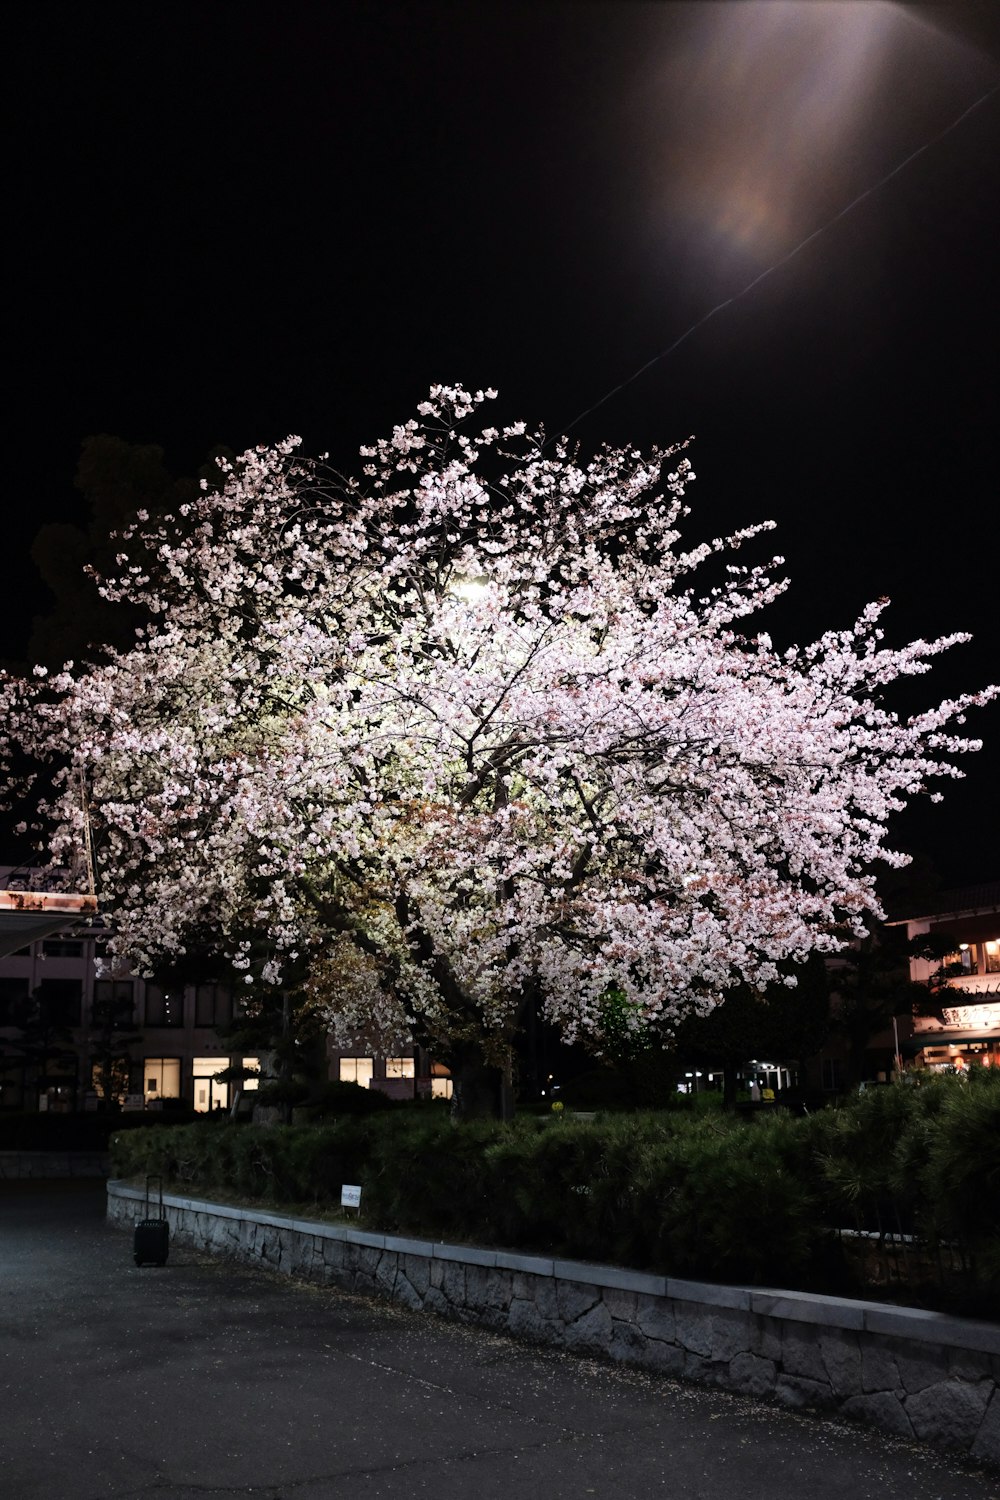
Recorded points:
(431, 742)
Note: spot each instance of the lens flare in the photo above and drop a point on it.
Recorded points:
(769, 116)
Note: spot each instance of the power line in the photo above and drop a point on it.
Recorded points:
(721, 306)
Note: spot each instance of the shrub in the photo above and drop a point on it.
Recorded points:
(706, 1196)
(857, 1149)
(428, 1176)
(960, 1181)
(336, 1099)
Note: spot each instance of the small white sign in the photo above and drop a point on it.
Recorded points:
(350, 1197)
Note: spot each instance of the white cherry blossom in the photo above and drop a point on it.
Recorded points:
(465, 727)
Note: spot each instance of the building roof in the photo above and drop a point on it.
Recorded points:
(963, 902)
(27, 915)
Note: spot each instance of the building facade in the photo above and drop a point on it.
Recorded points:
(413, 1074)
(71, 1036)
(963, 1032)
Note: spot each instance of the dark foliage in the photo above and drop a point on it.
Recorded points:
(760, 1200)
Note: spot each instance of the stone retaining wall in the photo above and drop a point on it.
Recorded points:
(913, 1373)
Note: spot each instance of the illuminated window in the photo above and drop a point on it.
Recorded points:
(161, 1077)
(110, 1079)
(356, 1070)
(208, 1094)
(991, 956)
(251, 1062)
(962, 961)
(441, 1084)
(400, 1067)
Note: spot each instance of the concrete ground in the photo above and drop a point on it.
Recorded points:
(204, 1380)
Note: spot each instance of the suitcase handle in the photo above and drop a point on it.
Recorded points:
(157, 1178)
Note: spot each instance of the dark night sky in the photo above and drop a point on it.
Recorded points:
(230, 223)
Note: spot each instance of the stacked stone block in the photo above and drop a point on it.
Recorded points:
(916, 1374)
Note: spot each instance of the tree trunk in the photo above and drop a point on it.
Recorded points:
(855, 1060)
(481, 1091)
(729, 1082)
(269, 1114)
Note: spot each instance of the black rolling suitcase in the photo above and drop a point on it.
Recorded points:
(152, 1236)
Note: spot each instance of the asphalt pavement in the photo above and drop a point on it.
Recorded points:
(204, 1380)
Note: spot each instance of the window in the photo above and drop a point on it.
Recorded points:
(164, 1005)
(62, 947)
(12, 1082)
(61, 1001)
(251, 1062)
(110, 1080)
(441, 1084)
(833, 1073)
(963, 961)
(356, 1070)
(161, 1077)
(208, 1094)
(400, 1067)
(114, 1001)
(991, 956)
(13, 995)
(213, 1005)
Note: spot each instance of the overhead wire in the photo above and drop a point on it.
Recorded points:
(777, 265)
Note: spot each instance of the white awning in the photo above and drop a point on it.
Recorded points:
(28, 915)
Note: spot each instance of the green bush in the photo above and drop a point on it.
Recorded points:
(428, 1176)
(960, 1180)
(706, 1196)
(337, 1099)
(287, 1164)
(858, 1148)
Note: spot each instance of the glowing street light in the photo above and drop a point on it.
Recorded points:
(470, 590)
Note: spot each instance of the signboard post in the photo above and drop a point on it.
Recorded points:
(350, 1197)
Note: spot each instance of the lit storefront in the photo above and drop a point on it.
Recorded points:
(966, 1037)
(965, 1032)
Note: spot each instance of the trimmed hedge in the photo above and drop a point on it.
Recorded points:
(714, 1197)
